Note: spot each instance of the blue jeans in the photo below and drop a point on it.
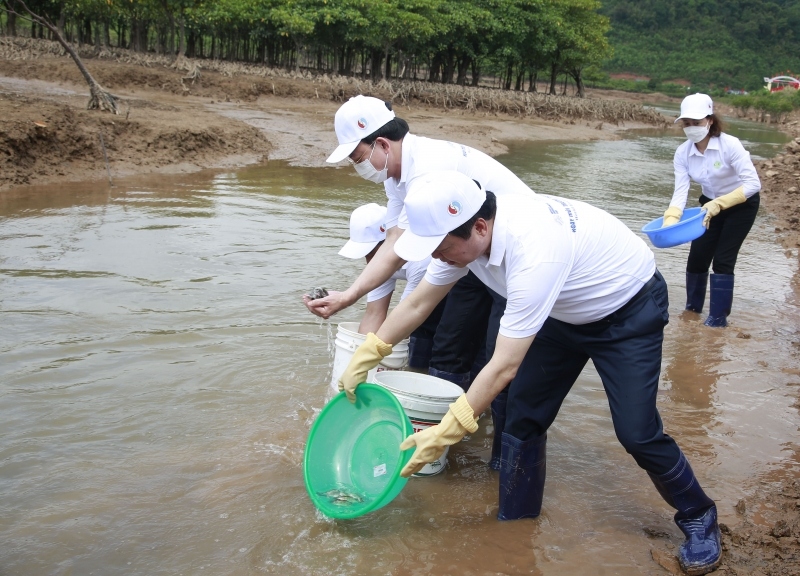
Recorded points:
(626, 350)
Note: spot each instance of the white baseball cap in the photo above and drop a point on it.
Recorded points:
(366, 230)
(355, 119)
(437, 203)
(696, 107)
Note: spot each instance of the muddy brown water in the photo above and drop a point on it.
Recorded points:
(159, 375)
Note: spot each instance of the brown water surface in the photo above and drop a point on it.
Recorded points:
(159, 375)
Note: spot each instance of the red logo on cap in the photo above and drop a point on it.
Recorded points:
(382, 228)
(362, 123)
(454, 208)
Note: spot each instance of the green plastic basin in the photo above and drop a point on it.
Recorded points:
(353, 459)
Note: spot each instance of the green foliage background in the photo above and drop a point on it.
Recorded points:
(732, 43)
(713, 44)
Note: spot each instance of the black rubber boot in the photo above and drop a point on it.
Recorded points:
(696, 516)
(721, 300)
(696, 291)
(522, 473)
(499, 422)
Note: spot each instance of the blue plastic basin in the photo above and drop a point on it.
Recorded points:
(690, 227)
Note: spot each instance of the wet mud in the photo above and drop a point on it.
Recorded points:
(47, 136)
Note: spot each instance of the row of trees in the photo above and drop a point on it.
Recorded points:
(447, 41)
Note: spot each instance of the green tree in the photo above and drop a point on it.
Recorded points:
(582, 39)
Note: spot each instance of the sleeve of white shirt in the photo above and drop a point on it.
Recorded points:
(532, 292)
(383, 290)
(415, 272)
(441, 274)
(402, 221)
(394, 206)
(682, 180)
(739, 159)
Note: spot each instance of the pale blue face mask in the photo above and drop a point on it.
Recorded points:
(697, 133)
(367, 171)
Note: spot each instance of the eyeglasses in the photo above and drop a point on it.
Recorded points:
(363, 156)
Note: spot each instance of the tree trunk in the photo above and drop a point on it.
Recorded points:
(298, 46)
(11, 24)
(100, 99)
(402, 71)
(376, 59)
(350, 61)
(520, 78)
(449, 67)
(181, 36)
(191, 45)
(436, 64)
(578, 77)
(98, 37)
(463, 66)
(476, 72)
(553, 78)
(134, 44)
(161, 39)
(363, 65)
(532, 82)
(62, 20)
(509, 75)
(85, 32)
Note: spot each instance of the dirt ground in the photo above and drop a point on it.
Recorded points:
(47, 136)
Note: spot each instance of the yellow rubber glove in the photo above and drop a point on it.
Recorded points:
(432, 441)
(672, 216)
(364, 359)
(716, 205)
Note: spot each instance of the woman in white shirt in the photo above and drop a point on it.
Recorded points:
(730, 184)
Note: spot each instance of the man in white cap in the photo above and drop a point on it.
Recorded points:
(579, 285)
(381, 149)
(367, 233)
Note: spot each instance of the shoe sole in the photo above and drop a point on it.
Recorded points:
(700, 570)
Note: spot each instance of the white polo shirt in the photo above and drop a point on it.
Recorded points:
(422, 155)
(556, 257)
(411, 272)
(723, 167)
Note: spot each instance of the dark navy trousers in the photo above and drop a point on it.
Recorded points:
(626, 350)
(460, 334)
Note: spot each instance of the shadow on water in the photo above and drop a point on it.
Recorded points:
(159, 377)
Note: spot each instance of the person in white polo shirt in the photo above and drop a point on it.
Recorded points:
(730, 183)
(367, 233)
(579, 285)
(381, 150)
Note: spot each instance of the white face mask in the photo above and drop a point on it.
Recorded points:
(367, 171)
(696, 133)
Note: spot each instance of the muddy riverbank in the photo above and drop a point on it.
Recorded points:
(47, 136)
(231, 117)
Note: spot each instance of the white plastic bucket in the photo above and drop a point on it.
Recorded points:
(348, 339)
(425, 399)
